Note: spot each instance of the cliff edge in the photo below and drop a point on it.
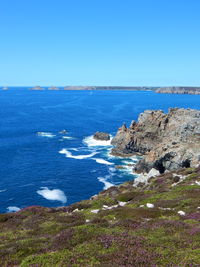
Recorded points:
(166, 141)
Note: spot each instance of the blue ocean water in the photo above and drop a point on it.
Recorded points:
(40, 165)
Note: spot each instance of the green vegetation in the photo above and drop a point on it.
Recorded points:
(100, 232)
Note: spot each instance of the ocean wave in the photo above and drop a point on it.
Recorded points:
(102, 161)
(45, 134)
(68, 137)
(105, 182)
(112, 170)
(90, 141)
(26, 185)
(68, 154)
(3, 190)
(74, 149)
(127, 169)
(54, 194)
(12, 209)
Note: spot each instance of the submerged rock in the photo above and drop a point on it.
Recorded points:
(166, 141)
(101, 136)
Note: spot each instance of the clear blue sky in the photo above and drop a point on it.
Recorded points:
(100, 42)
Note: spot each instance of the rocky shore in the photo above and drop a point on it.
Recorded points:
(166, 141)
(164, 90)
(101, 136)
(150, 221)
(179, 90)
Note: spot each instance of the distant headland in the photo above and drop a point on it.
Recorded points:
(162, 90)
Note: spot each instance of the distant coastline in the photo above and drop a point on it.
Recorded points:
(161, 90)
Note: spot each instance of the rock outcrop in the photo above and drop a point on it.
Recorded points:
(166, 141)
(53, 88)
(101, 136)
(126, 88)
(179, 90)
(37, 88)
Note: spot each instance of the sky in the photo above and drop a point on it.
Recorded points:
(100, 42)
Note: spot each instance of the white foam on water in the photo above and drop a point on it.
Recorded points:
(12, 209)
(128, 162)
(68, 137)
(45, 134)
(102, 161)
(68, 154)
(25, 185)
(111, 169)
(3, 190)
(105, 182)
(74, 149)
(90, 141)
(54, 194)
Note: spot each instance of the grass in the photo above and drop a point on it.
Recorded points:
(122, 236)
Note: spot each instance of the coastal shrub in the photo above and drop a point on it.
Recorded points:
(188, 171)
(193, 216)
(132, 251)
(125, 197)
(63, 239)
(129, 224)
(47, 259)
(4, 217)
(169, 203)
(124, 213)
(193, 176)
(72, 219)
(100, 221)
(80, 205)
(98, 203)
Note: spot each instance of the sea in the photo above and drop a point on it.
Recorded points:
(48, 156)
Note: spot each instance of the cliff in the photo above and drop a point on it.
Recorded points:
(129, 88)
(179, 90)
(155, 224)
(166, 141)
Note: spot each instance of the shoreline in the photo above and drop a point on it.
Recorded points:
(188, 90)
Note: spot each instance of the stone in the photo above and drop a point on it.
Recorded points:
(149, 205)
(167, 141)
(95, 211)
(101, 136)
(182, 213)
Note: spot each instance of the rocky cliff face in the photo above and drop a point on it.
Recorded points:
(167, 141)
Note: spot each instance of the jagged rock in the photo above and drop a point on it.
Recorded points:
(119, 167)
(167, 141)
(101, 136)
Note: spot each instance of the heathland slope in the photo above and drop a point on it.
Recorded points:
(156, 224)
